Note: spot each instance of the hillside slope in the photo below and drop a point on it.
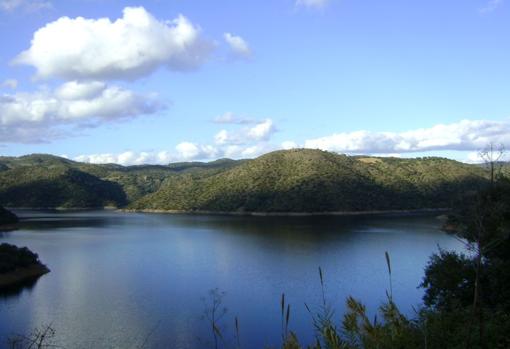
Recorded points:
(41, 180)
(316, 181)
(300, 180)
(7, 217)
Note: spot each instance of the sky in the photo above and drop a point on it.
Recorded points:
(154, 81)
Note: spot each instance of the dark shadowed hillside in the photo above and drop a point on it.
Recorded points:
(41, 180)
(58, 187)
(7, 217)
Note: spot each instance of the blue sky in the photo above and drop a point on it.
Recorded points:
(162, 81)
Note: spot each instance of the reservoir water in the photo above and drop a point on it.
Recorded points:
(127, 280)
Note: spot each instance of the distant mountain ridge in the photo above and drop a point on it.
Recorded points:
(45, 181)
(300, 180)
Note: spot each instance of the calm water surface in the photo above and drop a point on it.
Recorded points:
(117, 277)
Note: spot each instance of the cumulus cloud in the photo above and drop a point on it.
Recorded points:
(10, 83)
(127, 158)
(222, 137)
(190, 151)
(465, 135)
(26, 5)
(238, 45)
(260, 131)
(37, 116)
(241, 143)
(312, 3)
(491, 6)
(185, 151)
(473, 158)
(289, 145)
(127, 48)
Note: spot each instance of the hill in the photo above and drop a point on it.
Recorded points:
(18, 265)
(300, 180)
(192, 166)
(316, 181)
(41, 180)
(59, 186)
(7, 217)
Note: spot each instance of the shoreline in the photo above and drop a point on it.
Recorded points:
(22, 275)
(59, 208)
(241, 213)
(9, 227)
(288, 214)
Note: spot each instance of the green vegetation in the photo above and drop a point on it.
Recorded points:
(318, 181)
(18, 265)
(12, 257)
(282, 181)
(40, 180)
(7, 217)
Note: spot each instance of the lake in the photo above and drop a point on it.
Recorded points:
(120, 279)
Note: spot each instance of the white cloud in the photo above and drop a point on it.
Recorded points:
(221, 137)
(463, 136)
(467, 135)
(128, 158)
(75, 90)
(26, 5)
(244, 143)
(238, 45)
(312, 3)
(491, 6)
(127, 48)
(10, 83)
(191, 151)
(473, 158)
(185, 151)
(261, 131)
(289, 145)
(37, 116)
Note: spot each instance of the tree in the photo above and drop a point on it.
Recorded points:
(492, 155)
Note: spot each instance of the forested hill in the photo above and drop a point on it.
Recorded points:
(282, 181)
(7, 217)
(316, 181)
(41, 180)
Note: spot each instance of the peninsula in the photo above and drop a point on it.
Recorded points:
(19, 265)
